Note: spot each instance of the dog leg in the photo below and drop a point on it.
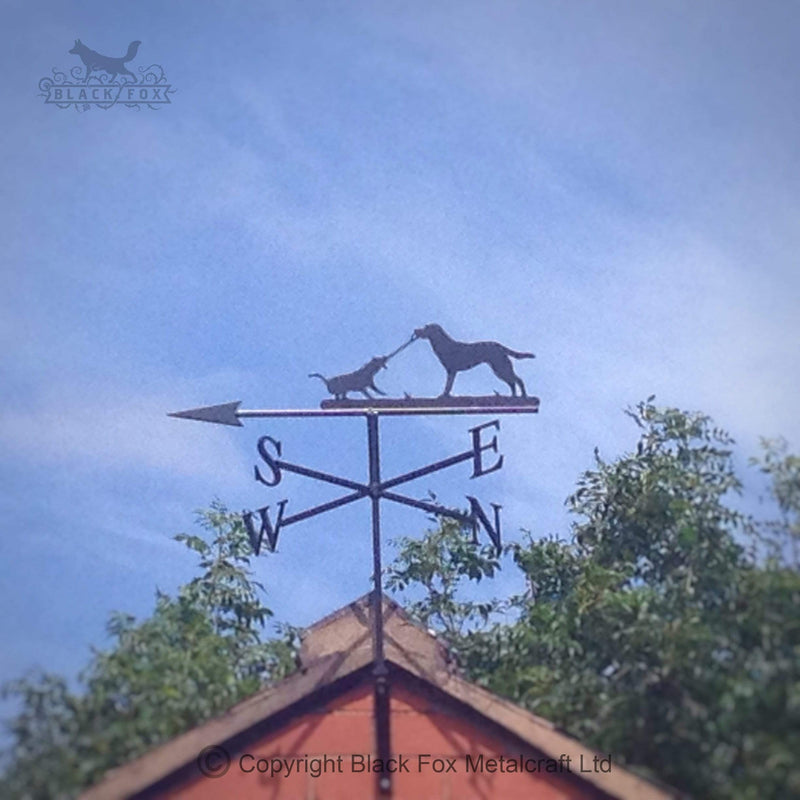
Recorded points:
(451, 376)
(505, 371)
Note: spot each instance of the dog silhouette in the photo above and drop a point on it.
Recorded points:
(459, 356)
(93, 60)
(358, 381)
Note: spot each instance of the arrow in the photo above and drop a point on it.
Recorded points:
(225, 414)
(230, 413)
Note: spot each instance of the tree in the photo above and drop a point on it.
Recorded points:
(196, 656)
(653, 633)
(439, 563)
(783, 468)
(665, 629)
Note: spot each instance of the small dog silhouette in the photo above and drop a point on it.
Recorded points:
(358, 381)
(113, 66)
(459, 356)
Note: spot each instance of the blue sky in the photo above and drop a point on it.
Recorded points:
(613, 186)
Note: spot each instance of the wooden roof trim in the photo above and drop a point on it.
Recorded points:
(425, 663)
(546, 737)
(164, 759)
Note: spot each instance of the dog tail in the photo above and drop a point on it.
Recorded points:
(317, 375)
(518, 355)
(133, 48)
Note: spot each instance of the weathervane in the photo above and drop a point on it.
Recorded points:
(455, 357)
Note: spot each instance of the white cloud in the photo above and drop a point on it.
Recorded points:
(111, 428)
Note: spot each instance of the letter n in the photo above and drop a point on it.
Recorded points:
(479, 518)
(266, 527)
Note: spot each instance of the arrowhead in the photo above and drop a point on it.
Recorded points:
(224, 414)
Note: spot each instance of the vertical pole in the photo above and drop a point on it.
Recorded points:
(380, 672)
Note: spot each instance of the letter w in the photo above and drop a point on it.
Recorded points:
(266, 527)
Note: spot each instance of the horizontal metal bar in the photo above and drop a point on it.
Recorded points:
(321, 476)
(321, 509)
(444, 404)
(384, 412)
(440, 511)
(231, 414)
(418, 473)
(300, 412)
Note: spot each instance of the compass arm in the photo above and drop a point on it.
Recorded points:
(431, 508)
(321, 509)
(477, 518)
(272, 531)
(418, 473)
(479, 447)
(322, 476)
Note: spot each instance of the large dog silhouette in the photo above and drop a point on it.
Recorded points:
(459, 356)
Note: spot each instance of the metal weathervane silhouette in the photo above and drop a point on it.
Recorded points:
(483, 453)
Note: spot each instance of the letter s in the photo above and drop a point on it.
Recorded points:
(269, 460)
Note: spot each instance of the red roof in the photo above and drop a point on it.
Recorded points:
(311, 735)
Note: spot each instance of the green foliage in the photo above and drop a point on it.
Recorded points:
(660, 514)
(436, 568)
(196, 656)
(653, 633)
(784, 472)
(439, 563)
(661, 631)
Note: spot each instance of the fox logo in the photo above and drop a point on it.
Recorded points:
(93, 60)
